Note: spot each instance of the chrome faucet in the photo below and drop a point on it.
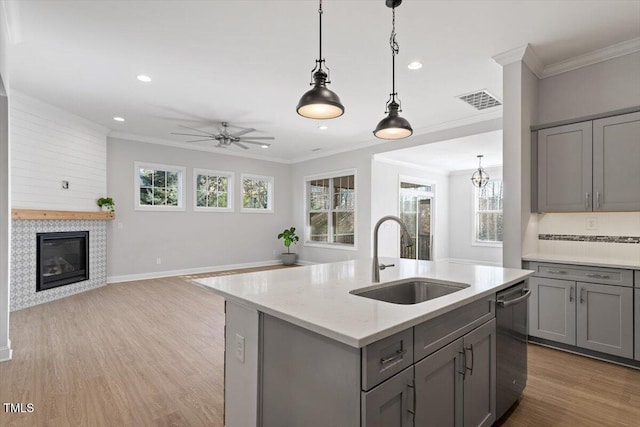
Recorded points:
(376, 264)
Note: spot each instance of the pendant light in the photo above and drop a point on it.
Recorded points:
(320, 102)
(393, 126)
(480, 177)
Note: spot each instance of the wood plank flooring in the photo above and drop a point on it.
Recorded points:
(150, 353)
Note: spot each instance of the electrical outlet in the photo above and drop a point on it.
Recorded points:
(592, 223)
(65, 185)
(158, 261)
(119, 226)
(240, 348)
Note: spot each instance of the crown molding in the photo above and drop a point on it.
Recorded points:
(523, 53)
(169, 143)
(590, 58)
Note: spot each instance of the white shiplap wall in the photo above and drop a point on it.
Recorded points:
(49, 145)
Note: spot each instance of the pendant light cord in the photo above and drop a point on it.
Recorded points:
(320, 19)
(394, 51)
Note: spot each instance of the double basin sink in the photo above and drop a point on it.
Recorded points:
(409, 291)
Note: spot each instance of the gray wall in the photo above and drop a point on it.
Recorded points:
(5, 204)
(188, 240)
(597, 88)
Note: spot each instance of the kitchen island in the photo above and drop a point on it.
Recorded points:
(301, 349)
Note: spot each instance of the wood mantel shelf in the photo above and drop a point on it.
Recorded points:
(48, 214)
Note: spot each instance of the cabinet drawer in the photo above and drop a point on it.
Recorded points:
(579, 273)
(387, 357)
(436, 333)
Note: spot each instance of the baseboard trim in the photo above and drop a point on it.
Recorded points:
(187, 271)
(6, 353)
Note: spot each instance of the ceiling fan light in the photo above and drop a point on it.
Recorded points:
(393, 126)
(320, 102)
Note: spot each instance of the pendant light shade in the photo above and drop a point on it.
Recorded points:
(320, 102)
(480, 178)
(393, 126)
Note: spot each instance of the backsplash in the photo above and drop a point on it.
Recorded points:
(598, 235)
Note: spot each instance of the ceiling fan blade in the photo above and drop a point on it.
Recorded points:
(189, 134)
(197, 130)
(243, 132)
(258, 137)
(240, 145)
(257, 143)
(198, 140)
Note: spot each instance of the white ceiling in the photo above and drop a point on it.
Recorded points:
(453, 154)
(248, 62)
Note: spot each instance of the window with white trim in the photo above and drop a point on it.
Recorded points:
(331, 209)
(488, 213)
(159, 187)
(213, 190)
(257, 193)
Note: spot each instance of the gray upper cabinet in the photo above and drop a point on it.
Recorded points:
(552, 310)
(564, 168)
(616, 163)
(605, 319)
(480, 378)
(391, 403)
(588, 166)
(637, 316)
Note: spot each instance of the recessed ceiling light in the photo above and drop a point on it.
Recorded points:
(118, 119)
(144, 78)
(265, 146)
(316, 149)
(415, 65)
(323, 127)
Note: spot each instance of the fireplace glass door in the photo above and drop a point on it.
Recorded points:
(63, 258)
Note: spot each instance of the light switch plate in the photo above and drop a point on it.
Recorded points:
(240, 348)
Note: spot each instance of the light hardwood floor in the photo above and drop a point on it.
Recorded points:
(150, 353)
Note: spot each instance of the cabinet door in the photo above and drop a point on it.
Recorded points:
(637, 292)
(616, 163)
(439, 388)
(480, 379)
(605, 319)
(552, 310)
(391, 403)
(564, 168)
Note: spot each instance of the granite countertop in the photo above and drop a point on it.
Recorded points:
(581, 260)
(317, 297)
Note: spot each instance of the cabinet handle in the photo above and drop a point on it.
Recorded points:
(581, 295)
(412, 410)
(397, 356)
(556, 272)
(598, 276)
(571, 291)
(463, 353)
(586, 200)
(472, 359)
(597, 200)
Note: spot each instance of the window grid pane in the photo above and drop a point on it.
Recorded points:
(331, 210)
(489, 217)
(212, 191)
(255, 194)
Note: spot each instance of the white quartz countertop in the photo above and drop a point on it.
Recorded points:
(581, 260)
(317, 297)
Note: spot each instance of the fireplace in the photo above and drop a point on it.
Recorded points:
(62, 259)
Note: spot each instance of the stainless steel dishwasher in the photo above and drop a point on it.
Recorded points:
(512, 313)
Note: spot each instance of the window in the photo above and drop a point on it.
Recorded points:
(331, 204)
(488, 217)
(159, 187)
(213, 190)
(257, 193)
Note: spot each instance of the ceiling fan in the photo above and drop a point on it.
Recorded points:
(226, 138)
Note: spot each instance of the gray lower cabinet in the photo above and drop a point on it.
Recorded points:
(604, 319)
(552, 310)
(390, 404)
(637, 314)
(455, 386)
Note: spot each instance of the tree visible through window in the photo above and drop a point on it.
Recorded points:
(257, 193)
(159, 186)
(213, 190)
(488, 227)
(331, 210)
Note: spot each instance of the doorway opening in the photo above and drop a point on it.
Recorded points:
(416, 211)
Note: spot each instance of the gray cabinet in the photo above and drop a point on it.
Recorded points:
(391, 404)
(456, 385)
(564, 168)
(616, 160)
(637, 314)
(552, 310)
(588, 166)
(604, 319)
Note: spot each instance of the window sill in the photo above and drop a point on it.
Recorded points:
(159, 209)
(330, 246)
(487, 244)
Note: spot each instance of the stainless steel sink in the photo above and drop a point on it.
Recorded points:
(410, 291)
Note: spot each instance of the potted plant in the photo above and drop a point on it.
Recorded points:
(107, 203)
(289, 236)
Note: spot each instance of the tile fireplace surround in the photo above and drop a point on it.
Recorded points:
(23, 260)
